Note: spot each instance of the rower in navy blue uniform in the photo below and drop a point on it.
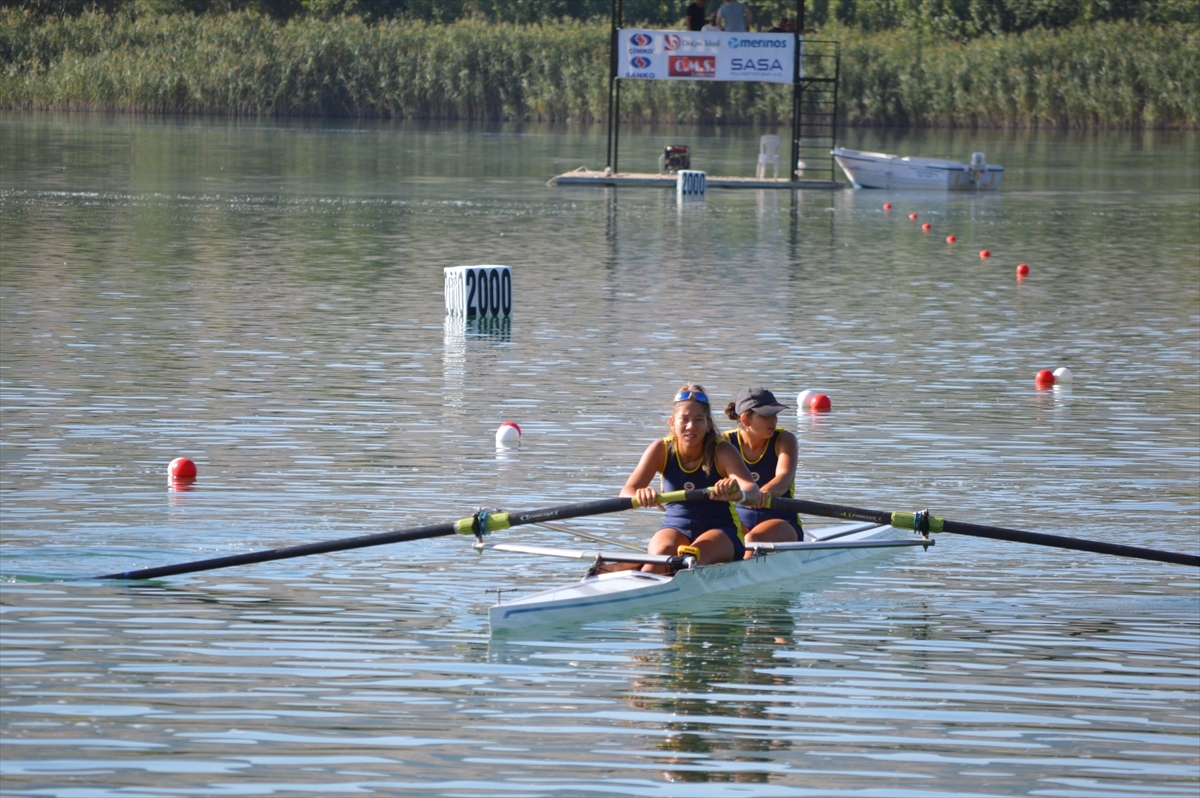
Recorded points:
(694, 455)
(769, 453)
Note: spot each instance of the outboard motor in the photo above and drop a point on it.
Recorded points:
(978, 166)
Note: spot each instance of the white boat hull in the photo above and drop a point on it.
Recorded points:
(624, 592)
(880, 170)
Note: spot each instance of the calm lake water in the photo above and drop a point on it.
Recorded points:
(266, 298)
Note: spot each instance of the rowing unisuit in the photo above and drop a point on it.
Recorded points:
(763, 470)
(695, 517)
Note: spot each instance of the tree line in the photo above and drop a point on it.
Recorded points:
(961, 19)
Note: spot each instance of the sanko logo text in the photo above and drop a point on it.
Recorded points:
(641, 40)
(735, 43)
(641, 62)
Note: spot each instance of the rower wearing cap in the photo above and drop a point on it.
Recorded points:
(694, 456)
(769, 453)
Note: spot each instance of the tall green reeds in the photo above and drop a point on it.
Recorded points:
(1118, 74)
(1110, 75)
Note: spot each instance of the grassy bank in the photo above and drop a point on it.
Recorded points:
(1108, 75)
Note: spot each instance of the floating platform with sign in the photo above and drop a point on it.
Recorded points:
(584, 177)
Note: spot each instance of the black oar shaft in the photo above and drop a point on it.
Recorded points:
(494, 521)
(1077, 544)
(906, 521)
(343, 544)
(579, 510)
(831, 510)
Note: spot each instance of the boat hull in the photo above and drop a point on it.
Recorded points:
(880, 170)
(625, 592)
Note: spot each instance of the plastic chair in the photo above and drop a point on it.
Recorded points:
(768, 153)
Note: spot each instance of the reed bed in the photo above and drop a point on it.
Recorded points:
(1108, 75)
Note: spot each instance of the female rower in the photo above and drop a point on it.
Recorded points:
(694, 456)
(769, 453)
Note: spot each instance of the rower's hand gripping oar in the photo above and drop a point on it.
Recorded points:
(924, 523)
(480, 524)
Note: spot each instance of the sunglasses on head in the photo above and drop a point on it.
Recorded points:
(684, 395)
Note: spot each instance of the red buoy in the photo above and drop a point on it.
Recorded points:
(951, 239)
(985, 253)
(887, 206)
(181, 468)
(1023, 270)
(912, 216)
(820, 403)
(1044, 379)
(927, 227)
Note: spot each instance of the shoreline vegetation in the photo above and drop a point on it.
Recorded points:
(1119, 74)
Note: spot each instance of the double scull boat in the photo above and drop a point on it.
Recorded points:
(622, 592)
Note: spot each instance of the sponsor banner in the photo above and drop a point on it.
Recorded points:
(687, 55)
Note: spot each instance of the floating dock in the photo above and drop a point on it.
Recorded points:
(584, 177)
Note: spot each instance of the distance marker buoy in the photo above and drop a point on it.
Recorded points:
(819, 403)
(927, 227)
(508, 434)
(1044, 379)
(802, 400)
(985, 253)
(181, 468)
(912, 216)
(1063, 375)
(887, 206)
(1022, 270)
(951, 239)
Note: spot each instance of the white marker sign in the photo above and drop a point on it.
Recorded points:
(690, 183)
(478, 291)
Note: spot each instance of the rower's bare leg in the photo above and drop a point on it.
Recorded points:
(774, 530)
(613, 567)
(715, 546)
(665, 541)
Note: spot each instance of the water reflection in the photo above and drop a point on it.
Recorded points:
(163, 294)
(701, 653)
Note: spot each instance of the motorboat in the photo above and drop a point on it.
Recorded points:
(880, 170)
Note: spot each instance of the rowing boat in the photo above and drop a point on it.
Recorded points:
(622, 592)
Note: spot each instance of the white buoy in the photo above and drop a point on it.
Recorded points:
(802, 400)
(1062, 374)
(508, 435)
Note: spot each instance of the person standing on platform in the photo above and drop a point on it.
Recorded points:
(693, 16)
(734, 17)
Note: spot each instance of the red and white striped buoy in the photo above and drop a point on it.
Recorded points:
(508, 434)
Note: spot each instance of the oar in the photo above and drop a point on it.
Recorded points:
(479, 524)
(923, 522)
